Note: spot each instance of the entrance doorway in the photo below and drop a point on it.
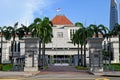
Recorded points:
(61, 59)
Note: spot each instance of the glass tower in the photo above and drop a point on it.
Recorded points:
(113, 14)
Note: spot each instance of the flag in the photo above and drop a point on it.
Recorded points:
(58, 9)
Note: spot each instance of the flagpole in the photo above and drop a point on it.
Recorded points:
(58, 11)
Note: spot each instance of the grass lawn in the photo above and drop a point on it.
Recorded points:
(115, 67)
(81, 68)
(5, 67)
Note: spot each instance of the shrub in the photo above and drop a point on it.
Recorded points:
(6, 67)
(81, 68)
(0, 67)
(113, 66)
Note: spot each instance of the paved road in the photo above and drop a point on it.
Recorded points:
(64, 72)
(57, 73)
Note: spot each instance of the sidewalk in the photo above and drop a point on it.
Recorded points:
(112, 74)
(48, 75)
(16, 74)
(54, 76)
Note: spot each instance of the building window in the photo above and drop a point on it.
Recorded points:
(15, 47)
(60, 34)
(0, 50)
(18, 46)
(72, 31)
(71, 34)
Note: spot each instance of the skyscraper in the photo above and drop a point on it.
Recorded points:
(113, 14)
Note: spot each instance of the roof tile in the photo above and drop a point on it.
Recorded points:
(61, 20)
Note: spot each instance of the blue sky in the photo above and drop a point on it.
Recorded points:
(85, 11)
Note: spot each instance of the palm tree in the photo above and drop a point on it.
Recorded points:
(107, 53)
(79, 24)
(46, 34)
(11, 32)
(42, 29)
(20, 32)
(8, 34)
(2, 33)
(76, 40)
(86, 33)
(14, 28)
(100, 29)
(25, 29)
(116, 31)
(34, 28)
(80, 38)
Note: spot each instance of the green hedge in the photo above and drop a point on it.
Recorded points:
(0, 67)
(114, 66)
(81, 68)
(5, 67)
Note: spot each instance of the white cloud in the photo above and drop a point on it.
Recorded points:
(22, 11)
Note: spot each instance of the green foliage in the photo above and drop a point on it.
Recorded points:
(5, 67)
(100, 29)
(41, 68)
(0, 67)
(105, 54)
(115, 66)
(81, 68)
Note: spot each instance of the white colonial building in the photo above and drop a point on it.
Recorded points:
(60, 50)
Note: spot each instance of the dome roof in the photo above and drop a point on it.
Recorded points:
(61, 20)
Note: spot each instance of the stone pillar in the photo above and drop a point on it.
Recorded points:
(6, 52)
(50, 60)
(95, 55)
(75, 60)
(14, 61)
(31, 54)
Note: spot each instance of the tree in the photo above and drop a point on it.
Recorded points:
(100, 29)
(42, 29)
(86, 33)
(46, 34)
(14, 36)
(116, 32)
(76, 40)
(35, 30)
(25, 29)
(104, 31)
(1, 33)
(80, 38)
(107, 51)
(11, 32)
(7, 32)
(20, 32)
(34, 27)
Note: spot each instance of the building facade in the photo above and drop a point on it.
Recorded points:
(113, 14)
(61, 51)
